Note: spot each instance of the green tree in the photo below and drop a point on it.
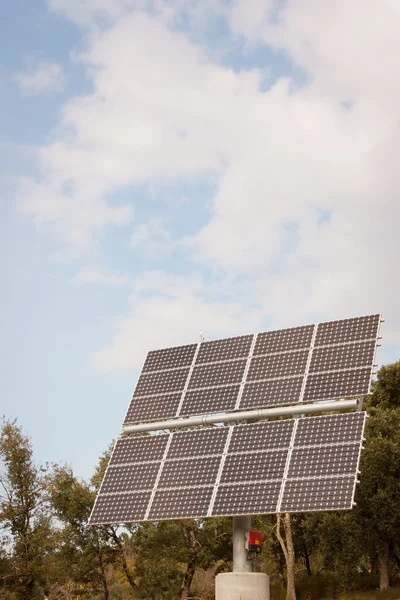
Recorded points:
(167, 554)
(83, 555)
(24, 514)
(378, 505)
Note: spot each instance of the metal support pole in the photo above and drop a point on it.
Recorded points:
(264, 413)
(241, 525)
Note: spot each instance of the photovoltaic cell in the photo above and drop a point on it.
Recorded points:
(343, 356)
(335, 429)
(339, 384)
(213, 374)
(302, 495)
(282, 340)
(139, 449)
(130, 477)
(200, 442)
(227, 349)
(195, 471)
(324, 460)
(274, 392)
(161, 382)
(245, 499)
(277, 365)
(310, 466)
(253, 466)
(347, 330)
(180, 503)
(120, 508)
(209, 400)
(153, 407)
(169, 358)
(269, 435)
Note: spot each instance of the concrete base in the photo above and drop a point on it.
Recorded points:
(242, 586)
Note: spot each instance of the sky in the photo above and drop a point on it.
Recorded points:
(168, 166)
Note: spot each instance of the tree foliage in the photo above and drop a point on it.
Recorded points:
(24, 516)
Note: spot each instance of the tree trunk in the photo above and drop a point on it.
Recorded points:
(193, 547)
(290, 590)
(188, 578)
(288, 551)
(103, 575)
(383, 559)
(307, 560)
(124, 564)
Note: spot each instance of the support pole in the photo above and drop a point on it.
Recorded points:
(242, 584)
(263, 413)
(240, 526)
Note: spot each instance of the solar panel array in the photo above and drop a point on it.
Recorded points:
(325, 361)
(292, 465)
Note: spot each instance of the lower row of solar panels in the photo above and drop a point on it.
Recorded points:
(292, 465)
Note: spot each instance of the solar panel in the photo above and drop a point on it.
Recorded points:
(326, 361)
(201, 442)
(283, 340)
(119, 508)
(326, 430)
(187, 473)
(284, 465)
(139, 449)
(170, 358)
(347, 330)
(323, 460)
(318, 494)
(153, 407)
(180, 503)
(274, 392)
(214, 374)
(254, 466)
(268, 435)
(339, 384)
(342, 356)
(130, 477)
(160, 382)
(208, 400)
(277, 365)
(247, 499)
(227, 349)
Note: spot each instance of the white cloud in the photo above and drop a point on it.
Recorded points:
(168, 310)
(162, 111)
(96, 276)
(84, 12)
(153, 237)
(40, 76)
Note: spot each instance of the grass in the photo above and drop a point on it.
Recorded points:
(391, 594)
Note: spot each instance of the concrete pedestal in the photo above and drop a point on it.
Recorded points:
(242, 586)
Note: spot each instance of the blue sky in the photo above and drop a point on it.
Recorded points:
(167, 166)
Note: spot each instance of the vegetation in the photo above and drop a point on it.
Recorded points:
(48, 551)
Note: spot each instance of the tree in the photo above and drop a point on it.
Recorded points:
(109, 532)
(83, 554)
(287, 546)
(378, 506)
(24, 514)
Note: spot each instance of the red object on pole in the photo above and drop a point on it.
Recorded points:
(253, 541)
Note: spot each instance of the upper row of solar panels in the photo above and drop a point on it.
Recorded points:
(317, 362)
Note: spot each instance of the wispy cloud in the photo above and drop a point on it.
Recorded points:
(153, 237)
(174, 113)
(167, 310)
(40, 76)
(97, 276)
